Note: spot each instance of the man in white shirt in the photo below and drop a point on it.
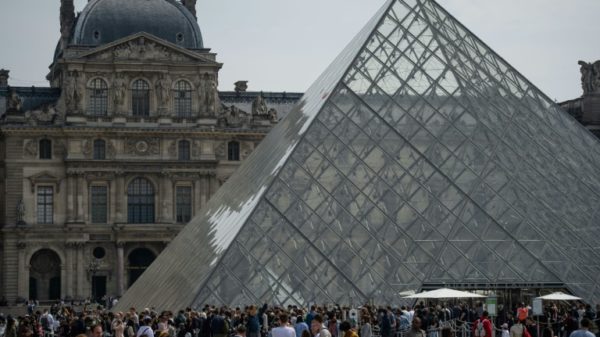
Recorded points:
(284, 329)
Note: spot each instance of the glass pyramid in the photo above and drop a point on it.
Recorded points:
(419, 157)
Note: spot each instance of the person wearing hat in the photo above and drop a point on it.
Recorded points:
(505, 332)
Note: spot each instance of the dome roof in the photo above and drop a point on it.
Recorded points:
(104, 21)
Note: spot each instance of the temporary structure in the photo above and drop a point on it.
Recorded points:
(445, 293)
(560, 296)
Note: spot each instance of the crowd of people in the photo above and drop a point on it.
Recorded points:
(440, 320)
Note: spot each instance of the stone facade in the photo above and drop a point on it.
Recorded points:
(100, 171)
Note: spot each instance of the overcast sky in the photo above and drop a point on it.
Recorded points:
(283, 45)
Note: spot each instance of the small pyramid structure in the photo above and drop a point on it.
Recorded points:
(418, 158)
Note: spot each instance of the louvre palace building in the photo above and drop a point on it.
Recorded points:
(102, 168)
(419, 159)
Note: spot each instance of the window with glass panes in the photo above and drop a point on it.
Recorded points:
(99, 149)
(183, 99)
(233, 151)
(45, 149)
(45, 204)
(99, 204)
(140, 201)
(184, 150)
(140, 98)
(183, 203)
(98, 97)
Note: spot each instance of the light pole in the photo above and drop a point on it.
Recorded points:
(93, 267)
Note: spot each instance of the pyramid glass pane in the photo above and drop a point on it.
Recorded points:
(419, 157)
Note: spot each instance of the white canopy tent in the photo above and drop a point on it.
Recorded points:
(445, 293)
(559, 296)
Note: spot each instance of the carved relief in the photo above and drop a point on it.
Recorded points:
(142, 49)
(173, 148)
(60, 149)
(233, 116)
(220, 150)
(143, 147)
(111, 150)
(30, 148)
(246, 149)
(45, 114)
(196, 149)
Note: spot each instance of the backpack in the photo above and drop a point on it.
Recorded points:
(45, 323)
(479, 329)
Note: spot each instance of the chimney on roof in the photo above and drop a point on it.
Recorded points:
(67, 18)
(4, 78)
(190, 5)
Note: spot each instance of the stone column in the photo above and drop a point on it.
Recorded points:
(165, 198)
(71, 197)
(203, 190)
(112, 208)
(197, 203)
(120, 199)
(80, 271)
(23, 267)
(79, 198)
(120, 268)
(69, 270)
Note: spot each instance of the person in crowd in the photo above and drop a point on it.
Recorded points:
(300, 326)
(517, 330)
(584, 330)
(96, 331)
(482, 327)
(317, 328)
(145, 329)
(415, 329)
(240, 331)
(505, 332)
(347, 330)
(284, 329)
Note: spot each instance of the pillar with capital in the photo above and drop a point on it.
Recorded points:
(120, 268)
(80, 270)
(23, 277)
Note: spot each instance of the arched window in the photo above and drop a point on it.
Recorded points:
(99, 149)
(183, 150)
(183, 99)
(140, 201)
(45, 149)
(140, 98)
(233, 151)
(98, 97)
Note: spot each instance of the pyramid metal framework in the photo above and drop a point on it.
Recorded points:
(419, 157)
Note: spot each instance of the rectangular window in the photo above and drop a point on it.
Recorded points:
(45, 204)
(99, 204)
(184, 204)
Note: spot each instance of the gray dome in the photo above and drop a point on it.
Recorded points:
(104, 21)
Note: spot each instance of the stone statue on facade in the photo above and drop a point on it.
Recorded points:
(20, 212)
(72, 93)
(211, 95)
(259, 106)
(590, 77)
(273, 115)
(586, 76)
(119, 91)
(163, 92)
(241, 86)
(14, 102)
